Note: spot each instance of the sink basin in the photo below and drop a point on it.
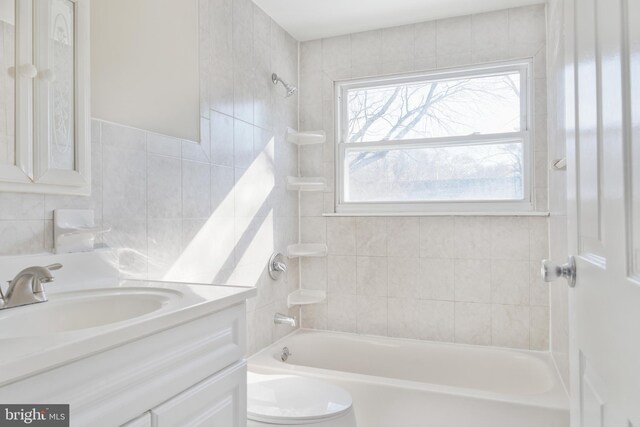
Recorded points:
(74, 311)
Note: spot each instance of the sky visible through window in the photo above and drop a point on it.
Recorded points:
(455, 107)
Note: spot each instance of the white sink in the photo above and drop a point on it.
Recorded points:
(73, 311)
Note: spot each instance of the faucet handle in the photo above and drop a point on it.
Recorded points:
(52, 267)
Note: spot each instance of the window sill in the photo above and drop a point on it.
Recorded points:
(405, 214)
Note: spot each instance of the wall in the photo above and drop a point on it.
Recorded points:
(208, 213)
(144, 65)
(559, 293)
(457, 279)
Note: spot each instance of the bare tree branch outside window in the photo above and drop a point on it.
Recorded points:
(431, 109)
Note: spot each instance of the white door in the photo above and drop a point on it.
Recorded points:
(603, 146)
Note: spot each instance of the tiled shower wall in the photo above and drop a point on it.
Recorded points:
(456, 279)
(210, 212)
(559, 293)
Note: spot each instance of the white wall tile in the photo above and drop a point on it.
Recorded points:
(425, 39)
(222, 191)
(22, 206)
(222, 139)
(473, 323)
(473, 237)
(539, 328)
(163, 145)
(539, 289)
(453, 36)
(366, 49)
(342, 312)
(437, 320)
(196, 190)
(371, 236)
(436, 237)
(398, 44)
(242, 144)
(372, 276)
(526, 30)
(538, 238)
(164, 245)
(336, 54)
(472, 279)
(164, 186)
(403, 273)
(342, 274)
(123, 137)
(490, 33)
(510, 282)
(436, 279)
(510, 238)
(372, 315)
(124, 191)
(341, 236)
(403, 237)
(510, 326)
(404, 318)
(310, 56)
(314, 273)
(313, 230)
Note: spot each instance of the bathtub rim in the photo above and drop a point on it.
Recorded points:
(554, 399)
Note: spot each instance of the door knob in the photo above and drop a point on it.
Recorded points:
(551, 271)
(28, 71)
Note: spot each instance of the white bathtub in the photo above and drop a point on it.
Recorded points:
(397, 382)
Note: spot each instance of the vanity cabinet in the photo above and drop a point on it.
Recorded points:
(188, 375)
(142, 421)
(44, 96)
(216, 401)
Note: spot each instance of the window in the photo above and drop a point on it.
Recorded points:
(446, 141)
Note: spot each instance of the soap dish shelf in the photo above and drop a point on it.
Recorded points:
(305, 297)
(295, 183)
(307, 250)
(306, 138)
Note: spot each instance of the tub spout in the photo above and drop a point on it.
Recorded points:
(281, 319)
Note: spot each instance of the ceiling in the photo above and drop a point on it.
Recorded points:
(314, 19)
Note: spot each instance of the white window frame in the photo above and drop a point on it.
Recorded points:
(524, 67)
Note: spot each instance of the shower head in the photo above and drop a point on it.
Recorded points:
(291, 89)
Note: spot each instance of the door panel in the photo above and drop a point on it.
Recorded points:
(631, 32)
(588, 137)
(602, 129)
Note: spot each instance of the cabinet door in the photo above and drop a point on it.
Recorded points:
(16, 91)
(142, 421)
(61, 135)
(220, 400)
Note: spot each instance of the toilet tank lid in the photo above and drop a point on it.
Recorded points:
(282, 398)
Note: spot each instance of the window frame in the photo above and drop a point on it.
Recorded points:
(524, 67)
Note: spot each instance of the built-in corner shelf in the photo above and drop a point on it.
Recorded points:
(295, 183)
(306, 138)
(305, 297)
(307, 250)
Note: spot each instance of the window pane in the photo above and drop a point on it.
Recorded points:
(437, 173)
(435, 108)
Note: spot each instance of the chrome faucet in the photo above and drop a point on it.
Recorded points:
(26, 288)
(281, 319)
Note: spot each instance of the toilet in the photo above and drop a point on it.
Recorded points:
(288, 400)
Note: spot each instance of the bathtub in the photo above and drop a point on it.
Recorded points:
(398, 382)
